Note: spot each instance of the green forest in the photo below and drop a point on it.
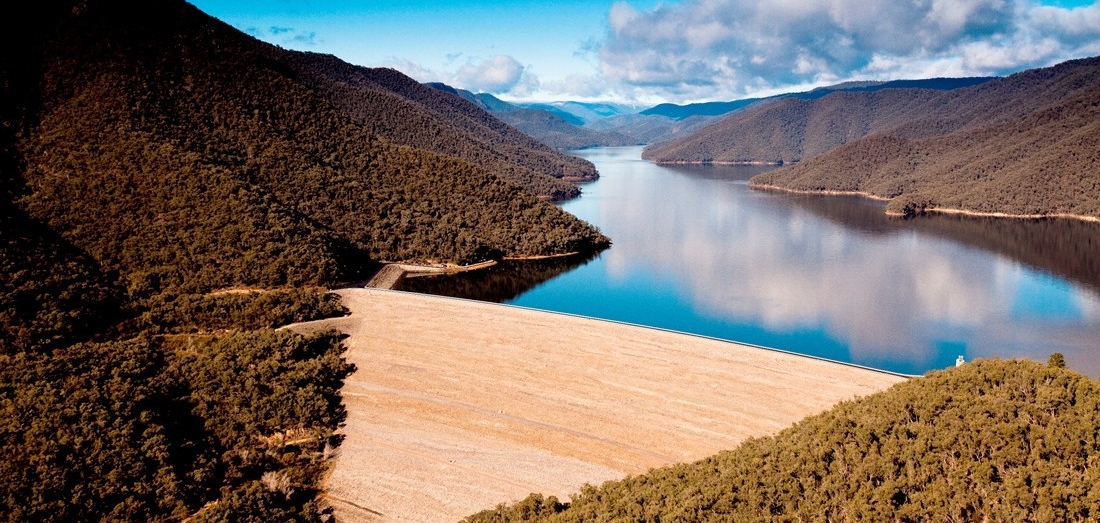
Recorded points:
(171, 191)
(155, 427)
(991, 440)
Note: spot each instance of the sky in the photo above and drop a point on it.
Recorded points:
(654, 51)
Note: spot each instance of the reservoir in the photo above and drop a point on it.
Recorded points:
(696, 250)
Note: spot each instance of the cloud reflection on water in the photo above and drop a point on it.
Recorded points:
(897, 295)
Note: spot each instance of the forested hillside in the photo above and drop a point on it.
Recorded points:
(168, 145)
(796, 128)
(1037, 154)
(398, 108)
(790, 129)
(680, 112)
(988, 441)
(171, 190)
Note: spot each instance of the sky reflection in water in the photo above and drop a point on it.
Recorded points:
(696, 250)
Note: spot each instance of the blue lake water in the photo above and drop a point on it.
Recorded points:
(696, 250)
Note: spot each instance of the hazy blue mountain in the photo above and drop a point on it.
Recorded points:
(551, 124)
(585, 112)
(720, 108)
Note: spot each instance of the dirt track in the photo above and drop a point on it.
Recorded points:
(458, 406)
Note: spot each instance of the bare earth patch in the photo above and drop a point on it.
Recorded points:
(457, 405)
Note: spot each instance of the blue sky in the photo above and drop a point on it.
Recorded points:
(652, 51)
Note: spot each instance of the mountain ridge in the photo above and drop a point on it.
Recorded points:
(721, 108)
(438, 123)
(152, 157)
(1031, 154)
(791, 129)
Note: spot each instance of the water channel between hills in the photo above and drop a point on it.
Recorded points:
(696, 250)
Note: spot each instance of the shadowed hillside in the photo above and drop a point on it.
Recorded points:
(172, 189)
(1038, 156)
(179, 151)
(793, 129)
(405, 112)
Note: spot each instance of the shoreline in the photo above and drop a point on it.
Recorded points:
(392, 274)
(1010, 216)
(824, 192)
(929, 210)
(458, 405)
(542, 256)
(711, 162)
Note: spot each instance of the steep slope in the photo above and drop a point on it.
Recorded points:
(400, 109)
(990, 441)
(792, 129)
(150, 155)
(680, 112)
(1025, 155)
(180, 152)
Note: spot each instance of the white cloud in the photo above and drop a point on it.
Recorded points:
(708, 49)
(498, 74)
(416, 71)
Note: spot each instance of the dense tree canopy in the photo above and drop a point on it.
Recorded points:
(152, 429)
(171, 190)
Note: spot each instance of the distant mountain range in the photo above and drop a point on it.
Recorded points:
(681, 112)
(581, 113)
(557, 125)
(979, 144)
(574, 125)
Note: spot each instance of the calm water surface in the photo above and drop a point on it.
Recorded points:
(696, 250)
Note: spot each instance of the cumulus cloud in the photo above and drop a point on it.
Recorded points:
(500, 74)
(700, 48)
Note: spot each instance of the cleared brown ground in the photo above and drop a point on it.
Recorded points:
(457, 406)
